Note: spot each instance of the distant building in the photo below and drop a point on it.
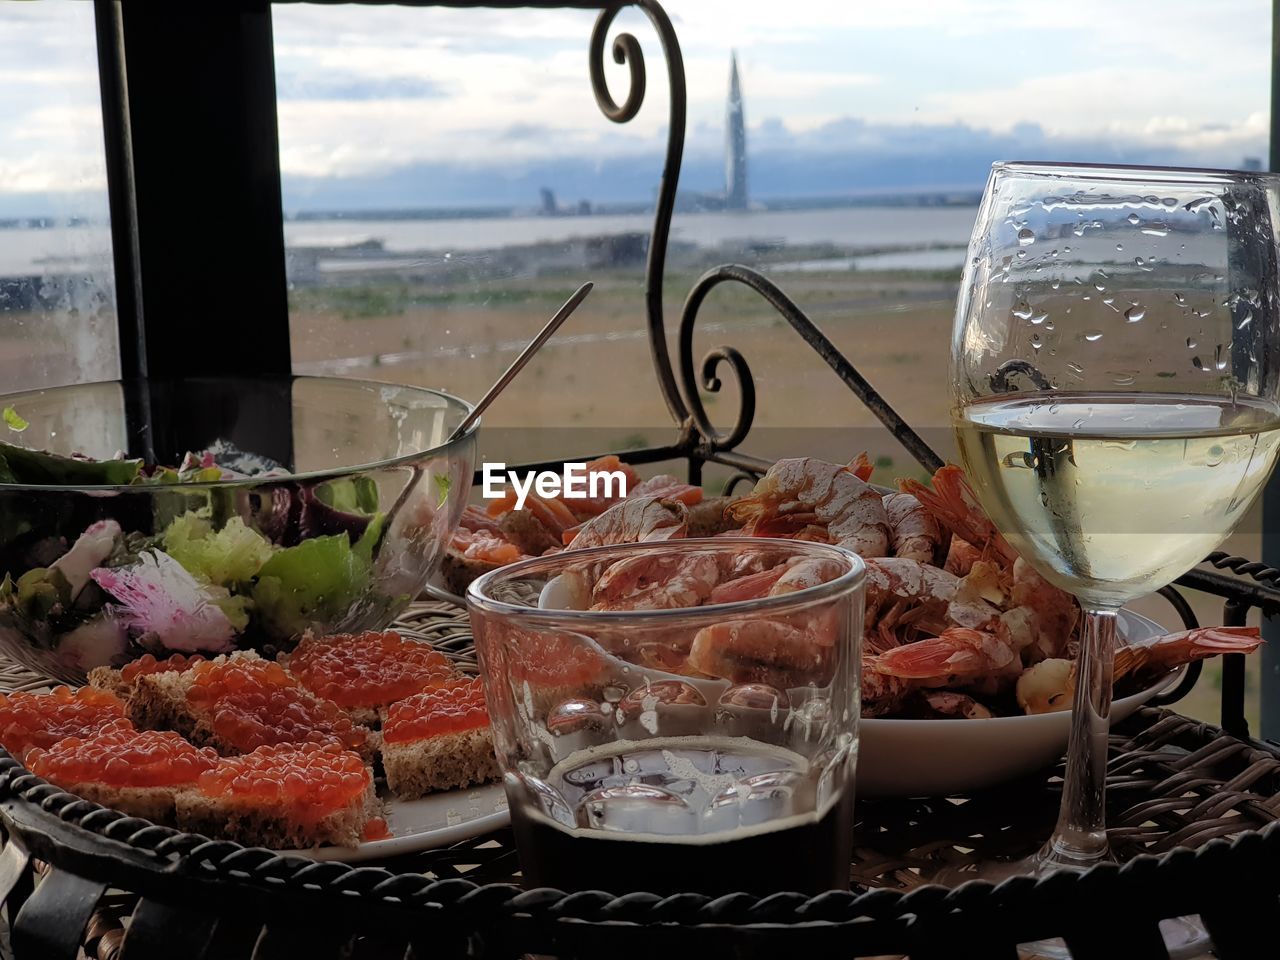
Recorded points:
(735, 144)
(1251, 163)
(549, 206)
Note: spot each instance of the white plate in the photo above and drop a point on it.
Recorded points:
(434, 821)
(914, 758)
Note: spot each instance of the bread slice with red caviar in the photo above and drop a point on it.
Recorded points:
(29, 720)
(439, 739)
(285, 796)
(139, 772)
(124, 682)
(239, 702)
(365, 672)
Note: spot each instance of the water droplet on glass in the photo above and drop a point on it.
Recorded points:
(1093, 336)
(1023, 310)
(1039, 318)
(1191, 343)
(1219, 361)
(1100, 287)
(1056, 284)
(1036, 342)
(1195, 362)
(1048, 325)
(1135, 313)
(1134, 219)
(1214, 455)
(1078, 229)
(1074, 368)
(1156, 229)
(1123, 379)
(1026, 236)
(1120, 246)
(1246, 319)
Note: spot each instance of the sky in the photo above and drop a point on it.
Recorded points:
(392, 106)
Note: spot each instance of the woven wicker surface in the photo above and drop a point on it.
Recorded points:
(1171, 781)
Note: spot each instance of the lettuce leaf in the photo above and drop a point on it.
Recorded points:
(318, 582)
(20, 465)
(233, 555)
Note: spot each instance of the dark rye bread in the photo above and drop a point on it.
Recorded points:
(151, 700)
(457, 571)
(110, 680)
(150, 803)
(446, 762)
(265, 825)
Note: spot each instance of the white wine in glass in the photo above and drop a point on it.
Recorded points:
(1116, 399)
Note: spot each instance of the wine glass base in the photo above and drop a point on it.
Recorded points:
(1185, 938)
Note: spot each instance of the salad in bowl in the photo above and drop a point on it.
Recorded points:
(209, 515)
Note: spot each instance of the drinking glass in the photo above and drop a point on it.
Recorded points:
(1115, 377)
(705, 747)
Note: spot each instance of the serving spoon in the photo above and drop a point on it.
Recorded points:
(526, 355)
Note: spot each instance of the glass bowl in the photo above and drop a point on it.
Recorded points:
(309, 503)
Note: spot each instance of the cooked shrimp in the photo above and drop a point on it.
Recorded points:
(666, 487)
(788, 577)
(961, 556)
(1057, 612)
(955, 656)
(634, 520)
(485, 546)
(656, 582)
(1174, 649)
(951, 705)
(913, 532)
(905, 595)
(1048, 686)
(812, 498)
(881, 693)
(862, 467)
(1045, 687)
(954, 505)
(550, 512)
(760, 651)
(748, 587)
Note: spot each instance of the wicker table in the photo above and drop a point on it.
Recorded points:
(1192, 814)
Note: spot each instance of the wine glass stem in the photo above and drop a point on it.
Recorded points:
(1080, 838)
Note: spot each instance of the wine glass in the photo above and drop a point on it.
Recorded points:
(1115, 388)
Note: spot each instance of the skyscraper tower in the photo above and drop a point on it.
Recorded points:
(735, 144)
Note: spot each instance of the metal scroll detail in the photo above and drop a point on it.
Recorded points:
(809, 332)
(626, 50)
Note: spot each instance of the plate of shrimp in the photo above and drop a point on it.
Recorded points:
(957, 626)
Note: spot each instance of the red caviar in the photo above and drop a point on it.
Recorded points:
(456, 706)
(368, 669)
(120, 756)
(147, 664)
(550, 660)
(42, 719)
(254, 702)
(310, 780)
(376, 829)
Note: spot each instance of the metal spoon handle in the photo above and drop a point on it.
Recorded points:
(526, 355)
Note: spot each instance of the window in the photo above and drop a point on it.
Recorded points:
(448, 179)
(57, 309)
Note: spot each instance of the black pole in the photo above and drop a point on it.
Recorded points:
(193, 165)
(193, 179)
(1269, 694)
